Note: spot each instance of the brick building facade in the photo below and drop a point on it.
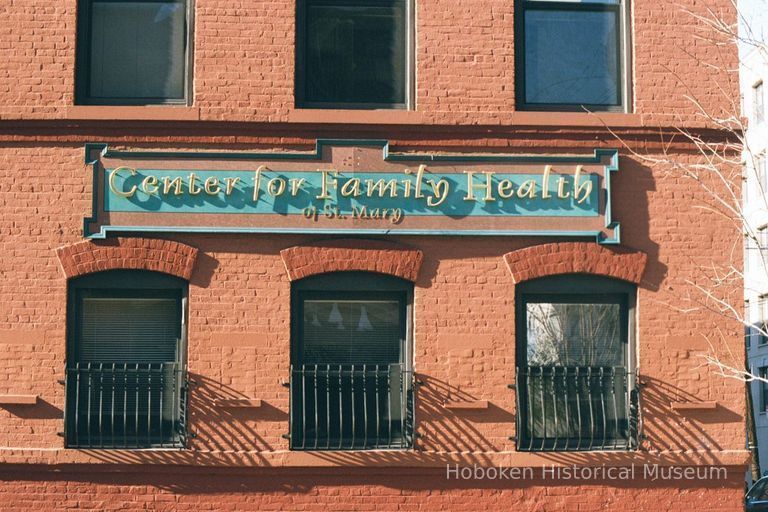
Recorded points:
(446, 300)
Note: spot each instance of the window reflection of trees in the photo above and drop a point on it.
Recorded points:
(574, 334)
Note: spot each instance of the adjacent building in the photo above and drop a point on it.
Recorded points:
(754, 69)
(350, 255)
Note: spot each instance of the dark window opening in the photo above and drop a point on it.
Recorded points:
(763, 374)
(575, 380)
(351, 377)
(570, 55)
(352, 54)
(132, 52)
(125, 375)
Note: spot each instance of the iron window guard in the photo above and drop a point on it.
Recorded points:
(351, 407)
(126, 405)
(563, 408)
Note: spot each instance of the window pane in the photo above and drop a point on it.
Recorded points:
(763, 374)
(762, 246)
(759, 172)
(571, 57)
(574, 335)
(128, 330)
(351, 332)
(762, 172)
(137, 50)
(355, 53)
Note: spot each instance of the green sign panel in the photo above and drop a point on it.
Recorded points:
(352, 187)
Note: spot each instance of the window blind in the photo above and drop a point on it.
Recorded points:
(137, 49)
(128, 330)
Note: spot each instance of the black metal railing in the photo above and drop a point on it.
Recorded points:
(351, 407)
(576, 408)
(126, 405)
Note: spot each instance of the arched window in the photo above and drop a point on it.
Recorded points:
(351, 375)
(126, 381)
(575, 375)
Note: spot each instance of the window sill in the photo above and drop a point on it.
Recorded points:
(541, 118)
(134, 113)
(359, 117)
(518, 118)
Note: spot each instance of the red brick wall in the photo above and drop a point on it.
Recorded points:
(464, 314)
(347, 491)
(239, 325)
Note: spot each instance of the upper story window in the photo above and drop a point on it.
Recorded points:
(133, 52)
(353, 53)
(762, 243)
(351, 376)
(125, 375)
(761, 173)
(758, 102)
(763, 374)
(571, 55)
(575, 375)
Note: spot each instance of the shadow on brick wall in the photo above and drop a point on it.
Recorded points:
(42, 410)
(690, 430)
(218, 435)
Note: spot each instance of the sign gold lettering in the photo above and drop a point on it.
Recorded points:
(113, 188)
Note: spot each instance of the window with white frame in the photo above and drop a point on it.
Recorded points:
(758, 102)
(761, 327)
(762, 241)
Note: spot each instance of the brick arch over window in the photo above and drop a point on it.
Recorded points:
(352, 255)
(576, 258)
(164, 256)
